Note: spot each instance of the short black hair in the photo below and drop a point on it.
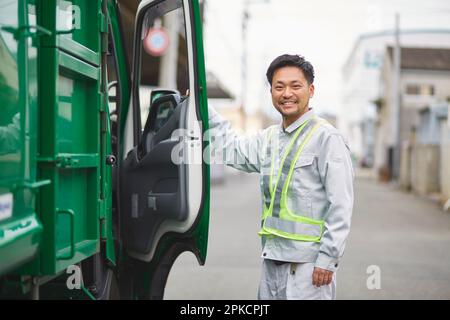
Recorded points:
(291, 60)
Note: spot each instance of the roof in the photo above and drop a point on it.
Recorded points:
(371, 35)
(423, 58)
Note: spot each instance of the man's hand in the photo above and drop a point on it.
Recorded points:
(321, 277)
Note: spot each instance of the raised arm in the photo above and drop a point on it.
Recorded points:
(240, 152)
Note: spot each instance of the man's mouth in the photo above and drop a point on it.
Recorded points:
(288, 103)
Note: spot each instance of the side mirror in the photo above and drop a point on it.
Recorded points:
(157, 93)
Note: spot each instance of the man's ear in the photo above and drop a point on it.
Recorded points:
(311, 90)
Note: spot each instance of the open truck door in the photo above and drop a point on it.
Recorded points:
(163, 177)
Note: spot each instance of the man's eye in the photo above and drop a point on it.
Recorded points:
(296, 87)
(278, 88)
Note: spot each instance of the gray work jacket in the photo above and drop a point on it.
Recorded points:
(321, 185)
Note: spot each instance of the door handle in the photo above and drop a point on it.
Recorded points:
(71, 214)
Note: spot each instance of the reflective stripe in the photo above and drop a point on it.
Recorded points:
(269, 201)
(295, 158)
(293, 227)
(267, 176)
(275, 211)
(277, 201)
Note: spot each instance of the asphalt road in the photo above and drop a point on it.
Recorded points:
(398, 248)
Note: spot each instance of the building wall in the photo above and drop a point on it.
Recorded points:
(440, 80)
(410, 106)
(383, 125)
(425, 168)
(405, 166)
(361, 75)
(445, 159)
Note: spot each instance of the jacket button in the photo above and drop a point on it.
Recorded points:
(264, 254)
(336, 265)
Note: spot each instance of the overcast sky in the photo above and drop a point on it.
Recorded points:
(324, 31)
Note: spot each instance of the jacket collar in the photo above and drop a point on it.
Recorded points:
(297, 123)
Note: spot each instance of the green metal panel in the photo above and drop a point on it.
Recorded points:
(78, 50)
(70, 148)
(106, 206)
(66, 169)
(86, 22)
(75, 27)
(20, 233)
(77, 68)
(123, 72)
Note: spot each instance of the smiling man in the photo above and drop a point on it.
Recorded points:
(306, 180)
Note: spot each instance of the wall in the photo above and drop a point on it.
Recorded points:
(445, 160)
(425, 169)
(405, 166)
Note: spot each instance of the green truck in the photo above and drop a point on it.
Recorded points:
(99, 126)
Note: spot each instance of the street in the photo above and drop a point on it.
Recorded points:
(401, 238)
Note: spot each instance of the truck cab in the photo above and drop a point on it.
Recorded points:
(103, 171)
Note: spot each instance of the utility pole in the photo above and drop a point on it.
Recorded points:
(245, 17)
(245, 20)
(396, 92)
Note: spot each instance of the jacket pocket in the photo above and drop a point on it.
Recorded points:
(301, 186)
(304, 161)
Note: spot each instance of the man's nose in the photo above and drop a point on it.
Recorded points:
(287, 92)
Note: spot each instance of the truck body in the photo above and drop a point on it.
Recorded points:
(90, 188)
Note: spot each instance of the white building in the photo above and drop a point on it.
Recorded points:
(424, 81)
(361, 83)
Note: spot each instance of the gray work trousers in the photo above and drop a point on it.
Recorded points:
(292, 281)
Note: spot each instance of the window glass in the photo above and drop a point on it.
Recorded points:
(164, 57)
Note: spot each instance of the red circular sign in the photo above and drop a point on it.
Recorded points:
(156, 42)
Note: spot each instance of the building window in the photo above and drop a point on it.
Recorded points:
(420, 89)
(413, 89)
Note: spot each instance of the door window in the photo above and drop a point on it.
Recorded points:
(164, 57)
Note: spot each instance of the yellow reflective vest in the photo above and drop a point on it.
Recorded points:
(277, 219)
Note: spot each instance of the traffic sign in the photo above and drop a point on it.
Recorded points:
(156, 42)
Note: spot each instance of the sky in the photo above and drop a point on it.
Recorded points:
(324, 31)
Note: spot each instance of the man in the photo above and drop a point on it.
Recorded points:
(306, 180)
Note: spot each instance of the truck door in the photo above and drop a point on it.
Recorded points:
(164, 180)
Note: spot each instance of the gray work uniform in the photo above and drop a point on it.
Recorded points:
(321, 188)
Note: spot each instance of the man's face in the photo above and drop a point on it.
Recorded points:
(291, 92)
